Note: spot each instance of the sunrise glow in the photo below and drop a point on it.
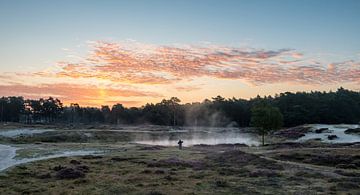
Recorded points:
(101, 63)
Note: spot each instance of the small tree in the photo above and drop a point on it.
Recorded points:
(266, 118)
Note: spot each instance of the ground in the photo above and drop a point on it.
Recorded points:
(277, 168)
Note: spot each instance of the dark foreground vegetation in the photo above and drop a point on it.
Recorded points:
(342, 106)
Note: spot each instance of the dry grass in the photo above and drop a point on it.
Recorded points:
(196, 170)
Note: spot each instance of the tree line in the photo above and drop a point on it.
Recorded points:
(342, 106)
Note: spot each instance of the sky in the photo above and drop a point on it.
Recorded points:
(137, 51)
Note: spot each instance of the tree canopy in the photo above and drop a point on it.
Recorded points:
(342, 106)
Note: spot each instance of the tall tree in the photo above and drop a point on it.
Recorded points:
(105, 110)
(117, 113)
(51, 108)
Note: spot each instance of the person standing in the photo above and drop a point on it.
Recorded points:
(180, 142)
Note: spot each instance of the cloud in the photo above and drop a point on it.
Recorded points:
(71, 93)
(119, 71)
(137, 63)
(187, 88)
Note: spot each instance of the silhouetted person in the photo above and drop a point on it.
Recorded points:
(180, 142)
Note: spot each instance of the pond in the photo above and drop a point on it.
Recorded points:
(191, 137)
(338, 130)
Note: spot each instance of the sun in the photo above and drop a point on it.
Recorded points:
(102, 95)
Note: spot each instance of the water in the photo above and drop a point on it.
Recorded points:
(8, 153)
(22, 132)
(161, 135)
(199, 136)
(241, 139)
(338, 130)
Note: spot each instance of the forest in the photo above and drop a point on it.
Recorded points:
(342, 106)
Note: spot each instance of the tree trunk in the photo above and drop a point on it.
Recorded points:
(174, 119)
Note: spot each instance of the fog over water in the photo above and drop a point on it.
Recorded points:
(193, 138)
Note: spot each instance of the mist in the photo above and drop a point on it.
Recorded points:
(197, 135)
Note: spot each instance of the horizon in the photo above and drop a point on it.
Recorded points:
(183, 103)
(102, 53)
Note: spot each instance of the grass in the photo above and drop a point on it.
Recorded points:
(195, 170)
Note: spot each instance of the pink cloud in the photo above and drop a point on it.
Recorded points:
(144, 64)
(128, 64)
(187, 88)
